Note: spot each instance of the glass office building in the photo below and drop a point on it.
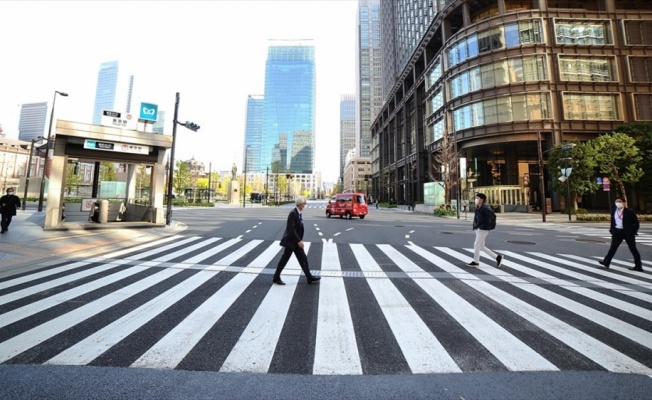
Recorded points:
(32, 121)
(107, 82)
(289, 108)
(254, 134)
(347, 128)
(369, 73)
(506, 80)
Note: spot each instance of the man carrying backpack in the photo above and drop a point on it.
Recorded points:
(483, 222)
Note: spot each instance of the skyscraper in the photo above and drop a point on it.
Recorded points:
(254, 133)
(404, 24)
(369, 70)
(32, 121)
(289, 107)
(159, 125)
(107, 81)
(347, 128)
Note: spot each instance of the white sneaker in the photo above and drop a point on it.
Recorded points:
(473, 264)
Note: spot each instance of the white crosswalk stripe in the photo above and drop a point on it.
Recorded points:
(80, 313)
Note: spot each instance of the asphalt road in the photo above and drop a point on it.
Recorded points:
(396, 314)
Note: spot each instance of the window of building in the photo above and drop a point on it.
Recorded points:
(502, 109)
(512, 34)
(434, 74)
(643, 107)
(638, 32)
(435, 102)
(596, 107)
(582, 32)
(587, 69)
(640, 69)
(435, 131)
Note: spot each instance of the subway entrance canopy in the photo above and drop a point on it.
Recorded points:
(95, 143)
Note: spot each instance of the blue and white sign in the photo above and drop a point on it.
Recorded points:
(148, 112)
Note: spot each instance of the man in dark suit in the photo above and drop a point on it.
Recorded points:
(8, 206)
(624, 226)
(293, 242)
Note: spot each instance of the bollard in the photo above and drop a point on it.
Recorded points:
(104, 211)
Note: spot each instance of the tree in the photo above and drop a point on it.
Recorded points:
(445, 164)
(182, 178)
(142, 179)
(617, 155)
(108, 172)
(72, 179)
(582, 178)
(641, 132)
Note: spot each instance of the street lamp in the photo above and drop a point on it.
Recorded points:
(193, 127)
(29, 168)
(47, 150)
(244, 189)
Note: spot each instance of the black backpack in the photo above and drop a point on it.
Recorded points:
(492, 219)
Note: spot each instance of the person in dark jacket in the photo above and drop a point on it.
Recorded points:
(9, 203)
(624, 226)
(292, 240)
(482, 227)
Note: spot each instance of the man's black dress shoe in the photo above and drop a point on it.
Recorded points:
(279, 282)
(313, 279)
(636, 269)
(604, 264)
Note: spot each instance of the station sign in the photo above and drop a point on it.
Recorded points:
(115, 146)
(117, 119)
(148, 112)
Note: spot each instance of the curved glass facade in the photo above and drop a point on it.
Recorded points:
(501, 80)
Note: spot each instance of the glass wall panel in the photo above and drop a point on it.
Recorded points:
(640, 69)
(638, 32)
(582, 32)
(643, 107)
(512, 34)
(587, 69)
(503, 109)
(500, 73)
(434, 74)
(600, 107)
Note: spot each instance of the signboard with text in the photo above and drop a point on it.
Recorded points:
(115, 146)
(117, 119)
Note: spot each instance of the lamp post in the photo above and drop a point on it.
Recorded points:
(47, 150)
(193, 127)
(29, 168)
(244, 189)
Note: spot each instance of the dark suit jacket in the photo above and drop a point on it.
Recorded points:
(293, 230)
(9, 204)
(630, 222)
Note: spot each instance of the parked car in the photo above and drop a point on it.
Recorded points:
(347, 205)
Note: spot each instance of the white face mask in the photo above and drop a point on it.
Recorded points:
(477, 202)
(10, 193)
(619, 205)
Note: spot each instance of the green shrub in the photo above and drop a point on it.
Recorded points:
(442, 211)
(593, 217)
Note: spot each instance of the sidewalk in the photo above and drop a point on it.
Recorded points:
(27, 243)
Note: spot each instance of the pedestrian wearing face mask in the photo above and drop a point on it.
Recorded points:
(482, 227)
(9, 203)
(624, 226)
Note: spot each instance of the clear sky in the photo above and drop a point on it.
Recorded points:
(212, 52)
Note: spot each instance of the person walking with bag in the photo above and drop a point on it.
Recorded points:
(8, 206)
(292, 240)
(483, 222)
(624, 226)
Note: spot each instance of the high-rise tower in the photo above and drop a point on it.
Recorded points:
(254, 133)
(369, 73)
(289, 107)
(107, 81)
(32, 121)
(347, 128)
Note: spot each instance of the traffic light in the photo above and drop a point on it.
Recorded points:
(192, 126)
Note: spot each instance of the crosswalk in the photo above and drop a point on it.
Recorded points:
(207, 303)
(580, 230)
